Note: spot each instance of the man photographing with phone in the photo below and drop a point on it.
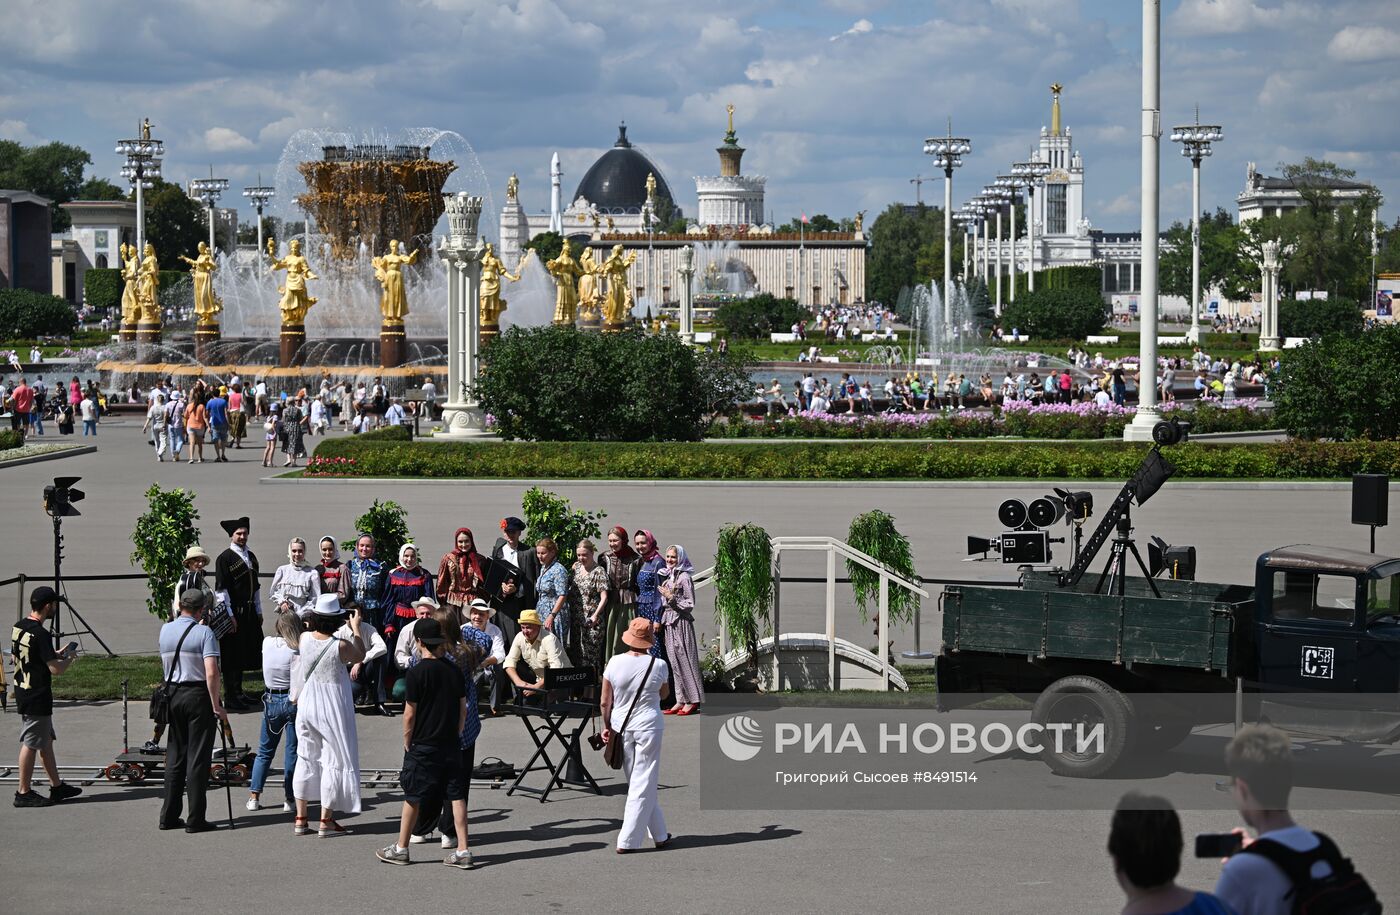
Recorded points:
(36, 664)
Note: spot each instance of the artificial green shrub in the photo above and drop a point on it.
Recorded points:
(758, 316)
(1068, 276)
(24, 313)
(1110, 460)
(1071, 314)
(1341, 387)
(560, 384)
(102, 287)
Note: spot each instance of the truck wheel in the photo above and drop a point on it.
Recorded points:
(1083, 702)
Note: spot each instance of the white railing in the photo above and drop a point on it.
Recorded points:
(832, 547)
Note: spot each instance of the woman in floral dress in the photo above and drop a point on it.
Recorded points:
(649, 582)
(551, 593)
(591, 607)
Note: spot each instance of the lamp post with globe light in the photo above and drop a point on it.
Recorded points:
(996, 198)
(1032, 175)
(208, 191)
(984, 210)
(1195, 140)
(259, 195)
(947, 154)
(142, 169)
(1011, 184)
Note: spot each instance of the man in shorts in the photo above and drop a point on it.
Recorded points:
(36, 664)
(434, 716)
(217, 408)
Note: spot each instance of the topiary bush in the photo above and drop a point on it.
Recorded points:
(387, 523)
(550, 515)
(758, 316)
(560, 384)
(1068, 313)
(1319, 317)
(102, 288)
(24, 313)
(1341, 387)
(162, 535)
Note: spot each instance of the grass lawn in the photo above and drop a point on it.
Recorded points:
(98, 677)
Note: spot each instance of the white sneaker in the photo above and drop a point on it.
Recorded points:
(462, 859)
(252, 803)
(393, 855)
(289, 807)
(424, 839)
(449, 842)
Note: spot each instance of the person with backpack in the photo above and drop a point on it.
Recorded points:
(1286, 869)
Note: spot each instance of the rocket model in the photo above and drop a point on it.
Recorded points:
(556, 213)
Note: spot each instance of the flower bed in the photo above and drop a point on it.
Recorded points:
(1112, 460)
(1020, 419)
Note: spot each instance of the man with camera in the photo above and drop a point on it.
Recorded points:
(36, 664)
(189, 656)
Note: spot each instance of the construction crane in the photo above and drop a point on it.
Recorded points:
(918, 182)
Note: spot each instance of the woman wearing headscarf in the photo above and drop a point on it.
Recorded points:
(460, 575)
(402, 587)
(621, 563)
(678, 619)
(649, 581)
(332, 572)
(328, 764)
(296, 585)
(279, 655)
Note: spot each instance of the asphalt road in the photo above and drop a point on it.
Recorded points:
(103, 850)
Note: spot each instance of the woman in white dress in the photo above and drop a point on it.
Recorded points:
(640, 676)
(296, 585)
(328, 768)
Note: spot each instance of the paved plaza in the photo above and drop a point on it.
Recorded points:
(103, 849)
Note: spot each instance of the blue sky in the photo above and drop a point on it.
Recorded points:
(834, 97)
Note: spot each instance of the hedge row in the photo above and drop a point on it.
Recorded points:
(876, 461)
(10, 438)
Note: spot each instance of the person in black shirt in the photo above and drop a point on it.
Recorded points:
(434, 715)
(36, 664)
(236, 587)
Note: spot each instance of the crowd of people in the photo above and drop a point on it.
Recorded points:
(31, 405)
(470, 641)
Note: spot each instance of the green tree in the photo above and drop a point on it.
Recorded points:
(1223, 263)
(102, 287)
(100, 189)
(174, 222)
(550, 515)
(1329, 245)
(1319, 317)
(387, 523)
(906, 248)
(162, 535)
(546, 245)
(25, 314)
(1341, 387)
(53, 170)
(1057, 314)
(755, 317)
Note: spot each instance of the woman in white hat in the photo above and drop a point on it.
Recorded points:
(633, 686)
(328, 767)
(196, 561)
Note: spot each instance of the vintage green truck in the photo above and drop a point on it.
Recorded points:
(1313, 647)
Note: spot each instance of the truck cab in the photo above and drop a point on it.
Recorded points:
(1326, 630)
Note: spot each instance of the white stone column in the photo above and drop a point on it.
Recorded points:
(461, 250)
(687, 272)
(1269, 341)
(1147, 415)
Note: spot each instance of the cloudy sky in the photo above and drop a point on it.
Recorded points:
(834, 97)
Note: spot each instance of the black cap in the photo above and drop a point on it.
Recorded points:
(512, 524)
(41, 596)
(428, 631)
(235, 524)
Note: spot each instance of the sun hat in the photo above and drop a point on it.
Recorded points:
(328, 605)
(479, 604)
(530, 618)
(196, 552)
(426, 601)
(638, 634)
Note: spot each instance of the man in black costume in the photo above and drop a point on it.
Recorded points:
(516, 591)
(236, 592)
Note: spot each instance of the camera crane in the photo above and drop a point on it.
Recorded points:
(1151, 474)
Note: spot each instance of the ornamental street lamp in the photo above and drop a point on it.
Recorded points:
(947, 154)
(1140, 429)
(208, 191)
(996, 196)
(1012, 185)
(984, 210)
(1032, 175)
(259, 195)
(1195, 140)
(142, 169)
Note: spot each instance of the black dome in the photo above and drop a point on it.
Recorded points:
(617, 182)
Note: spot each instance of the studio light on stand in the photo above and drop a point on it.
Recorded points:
(59, 497)
(1179, 562)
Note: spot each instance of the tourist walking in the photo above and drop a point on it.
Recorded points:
(237, 418)
(175, 425)
(328, 769)
(461, 576)
(189, 656)
(649, 581)
(156, 425)
(279, 655)
(622, 563)
(36, 664)
(273, 434)
(590, 605)
(633, 686)
(296, 585)
(196, 424)
(217, 409)
(552, 593)
(678, 622)
(236, 587)
(293, 430)
(87, 409)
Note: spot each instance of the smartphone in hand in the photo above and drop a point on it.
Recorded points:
(1218, 844)
(71, 649)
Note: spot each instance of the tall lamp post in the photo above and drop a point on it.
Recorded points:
(1011, 184)
(142, 169)
(1032, 175)
(208, 191)
(997, 198)
(1195, 140)
(984, 210)
(259, 195)
(947, 154)
(1140, 429)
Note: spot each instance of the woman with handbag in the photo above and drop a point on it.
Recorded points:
(328, 767)
(633, 686)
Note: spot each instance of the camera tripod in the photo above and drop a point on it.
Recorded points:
(1116, 572)
(55, 624)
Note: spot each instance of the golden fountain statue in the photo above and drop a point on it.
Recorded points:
(512, 187)
(206, 304)
(617, 305)
(295, 300)
(131, 309)
(388, 270)
(589, 288)
(493, 270)
(565, 271)
(148, 287)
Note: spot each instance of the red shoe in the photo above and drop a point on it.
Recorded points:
(689, 711)
(673, 710)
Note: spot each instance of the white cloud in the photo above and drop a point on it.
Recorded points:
(226, 139)
(1234, 17)
(18, 131)
(1122, 205)
(860, 27)
(1363, 43)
